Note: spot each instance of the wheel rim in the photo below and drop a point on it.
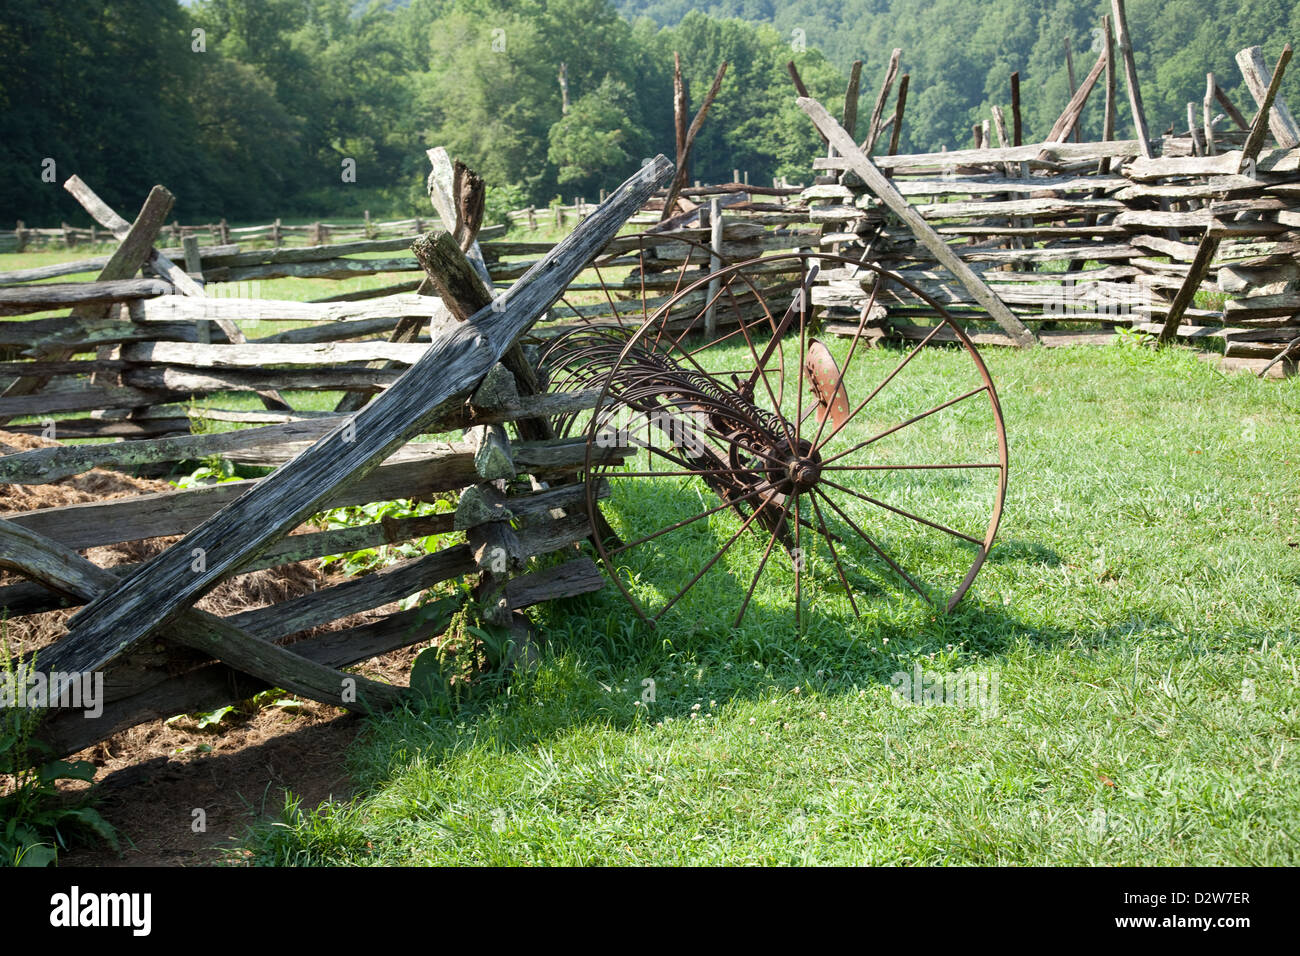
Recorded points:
(774, 444)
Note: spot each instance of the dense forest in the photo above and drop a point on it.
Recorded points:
(251, 109)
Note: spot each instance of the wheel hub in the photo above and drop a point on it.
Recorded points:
(801, 466)
(804, 472)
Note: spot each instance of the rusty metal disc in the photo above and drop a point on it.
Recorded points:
(824, 381)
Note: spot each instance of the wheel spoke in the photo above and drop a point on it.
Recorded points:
(889, 378)
(681, 275)
(866, 314)
(618, 317)
(876, 548)
(830, 541)
(683, 523)
(901, 425)
(944, 467)
(904, 513)
(761, 564)
(677, 342)
(758, 365)
(710, 563)
(694, 473)
(799, 560)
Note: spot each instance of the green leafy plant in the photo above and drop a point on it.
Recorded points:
(37, 819)
(216, 471)
(366, 560)
(1132, 337)
(500, 201)
(273, 697)
(469, 658)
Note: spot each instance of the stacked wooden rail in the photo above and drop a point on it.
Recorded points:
(519, 504)
(1195, 234)
(280, 233)
(141, 356)
(277, 233)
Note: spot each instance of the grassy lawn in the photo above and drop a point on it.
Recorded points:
(1138, 614)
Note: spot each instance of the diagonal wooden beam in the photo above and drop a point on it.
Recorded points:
(1205, 251)
(873, 129)
(899, 106)
(1209, 244)
(1232, 111)
(1131, 78)
(679, 110)
(850, 121)
(1108, 117)
(1264, 119)
(882, 187)
(176, 275)
(1069, 69)
(65, 571)
(1068, 121)
(453, 366)
(800, 88)
(1254, 68)
(133, 251)
(679, 180)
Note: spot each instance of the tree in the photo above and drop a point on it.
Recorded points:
(597, 141)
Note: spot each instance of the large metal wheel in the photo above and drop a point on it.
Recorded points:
(754, 458)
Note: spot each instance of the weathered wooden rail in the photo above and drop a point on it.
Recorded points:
(516, 501)
(137, 352)
(1063, 233)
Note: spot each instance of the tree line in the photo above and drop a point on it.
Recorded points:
(252, 109)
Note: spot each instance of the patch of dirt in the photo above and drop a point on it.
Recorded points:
(152, 777)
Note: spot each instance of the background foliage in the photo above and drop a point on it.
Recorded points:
(258, 123)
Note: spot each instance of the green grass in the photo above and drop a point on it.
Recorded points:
(1138, 612)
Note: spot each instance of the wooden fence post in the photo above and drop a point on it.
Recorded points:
(276, 235)
(20, 236)
(161, 590)
(194, 267)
